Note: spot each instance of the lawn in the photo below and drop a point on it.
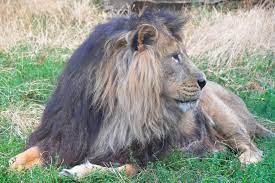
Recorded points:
(36, 44)
(27, 81)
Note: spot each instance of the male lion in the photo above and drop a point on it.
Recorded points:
(128, 95)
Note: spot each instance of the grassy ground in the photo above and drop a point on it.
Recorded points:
(234, 48)
(27, 79)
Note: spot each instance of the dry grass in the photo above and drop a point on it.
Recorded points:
(53, 23)
(223, 37)
(22, 118)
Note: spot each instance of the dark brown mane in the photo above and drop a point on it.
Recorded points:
(90, 117)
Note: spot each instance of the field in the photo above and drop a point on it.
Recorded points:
(233, 47)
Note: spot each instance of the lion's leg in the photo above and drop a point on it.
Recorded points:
(85, 169)
(27, 159)
(242, 143)
(236, 136)
(230, 126)
(263, 132)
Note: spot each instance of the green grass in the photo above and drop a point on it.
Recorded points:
(28, 77)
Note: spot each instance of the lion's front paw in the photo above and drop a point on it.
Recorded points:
(250, 156)
(67, 173)
(87, 168)
(15, 164)
(18, 163)
(26, 160)
(80, 171)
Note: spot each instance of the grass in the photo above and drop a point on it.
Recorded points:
(54, 23)
(27, 81)
(233, 48)
(223, 37)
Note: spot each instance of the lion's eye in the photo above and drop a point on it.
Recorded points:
(176, 58)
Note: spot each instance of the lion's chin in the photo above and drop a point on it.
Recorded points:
(186, 106)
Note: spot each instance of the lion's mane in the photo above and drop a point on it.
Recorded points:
(108, 98)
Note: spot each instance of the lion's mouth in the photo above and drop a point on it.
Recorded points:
(186, 105)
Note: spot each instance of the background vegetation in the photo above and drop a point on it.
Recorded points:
(234, 47)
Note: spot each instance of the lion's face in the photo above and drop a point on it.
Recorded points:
(182, 81)
(145, 68)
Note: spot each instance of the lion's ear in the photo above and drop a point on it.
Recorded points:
(145, 35)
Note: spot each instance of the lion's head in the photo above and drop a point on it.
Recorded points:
(145, 80)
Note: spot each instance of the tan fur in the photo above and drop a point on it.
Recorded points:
(188, 125)
(233, 121)
(27, 159)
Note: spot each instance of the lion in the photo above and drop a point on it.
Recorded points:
(129, 95)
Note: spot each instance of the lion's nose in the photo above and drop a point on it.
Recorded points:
(202, 83)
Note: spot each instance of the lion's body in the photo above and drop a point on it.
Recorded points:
(129, 92)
